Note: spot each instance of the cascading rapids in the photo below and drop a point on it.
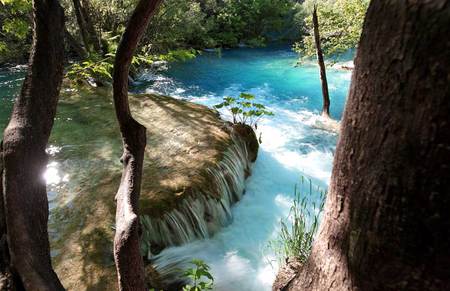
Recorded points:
(200, 215)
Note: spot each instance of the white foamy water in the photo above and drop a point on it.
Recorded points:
(292, 146)
(238, 255)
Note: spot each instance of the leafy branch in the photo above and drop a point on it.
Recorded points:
(243, 110)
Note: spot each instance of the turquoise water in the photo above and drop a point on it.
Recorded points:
(292, 146)
(10, 82)
(85, 136)
(270, 73)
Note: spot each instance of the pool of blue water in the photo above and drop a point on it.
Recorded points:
(270, 73)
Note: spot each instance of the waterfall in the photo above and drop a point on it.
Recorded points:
(200, 215)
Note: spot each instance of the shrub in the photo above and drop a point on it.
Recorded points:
(95, 67)
(179, 55)
(243, 111)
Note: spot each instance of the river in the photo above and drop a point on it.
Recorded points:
(292, 146)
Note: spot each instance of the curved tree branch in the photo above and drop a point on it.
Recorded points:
(129, 263)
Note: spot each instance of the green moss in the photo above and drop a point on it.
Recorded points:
(184, 139)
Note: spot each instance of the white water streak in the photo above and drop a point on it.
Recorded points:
(203, 213)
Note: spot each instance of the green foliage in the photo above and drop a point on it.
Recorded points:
(3, 47)
(243, 110)
(17, 6)
(99, 68)
(14, 29)
(185, 24)
(94, 67)
(200, 276)
(259, 41)
(178, 24)
(179, 55)
(250, 21)
(340, 25)
(298, 229)
(178, 27)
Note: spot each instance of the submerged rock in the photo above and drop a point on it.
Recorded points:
(327, 124)
(286, 274)
(194, 170)
(349, 66)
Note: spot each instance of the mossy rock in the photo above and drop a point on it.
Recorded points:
(184, 140)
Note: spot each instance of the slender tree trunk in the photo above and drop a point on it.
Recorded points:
(129, 262)
(323, 74)
(93, 35)
(88, 34)
(82, 25)
(386, 224)
(73, 43)
(24, 156)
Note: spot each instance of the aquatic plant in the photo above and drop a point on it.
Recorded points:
(297, 230)
(243, 111)
(200, 277)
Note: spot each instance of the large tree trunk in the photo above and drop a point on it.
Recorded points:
(7, 282)
(323, 74)
(24, 156)
(386, 224)
(129, 262)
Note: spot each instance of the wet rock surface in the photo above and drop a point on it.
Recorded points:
(194, 170)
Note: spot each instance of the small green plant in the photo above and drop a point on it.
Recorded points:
(298, 229)
(100, 68)
(200, 276)
(243, 110)
(94, 67)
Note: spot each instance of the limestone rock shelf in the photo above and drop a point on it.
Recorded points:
(194, 170)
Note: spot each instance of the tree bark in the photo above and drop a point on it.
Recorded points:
(6, 277)
(24, 156)
(323, 74)
(72, 42)
(386, 223)
(129, 262)
(81, 25)
(88, 34)
(93, 35)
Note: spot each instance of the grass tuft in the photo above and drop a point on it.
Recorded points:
(297, 230)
